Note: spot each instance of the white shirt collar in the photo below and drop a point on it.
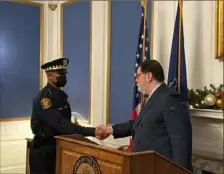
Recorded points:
(154, 89)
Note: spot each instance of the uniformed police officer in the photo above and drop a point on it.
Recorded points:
(51, 116)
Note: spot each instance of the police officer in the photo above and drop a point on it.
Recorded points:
(51, 116)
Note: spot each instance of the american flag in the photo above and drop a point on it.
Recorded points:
(142, 54)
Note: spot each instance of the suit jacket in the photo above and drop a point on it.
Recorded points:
(163, 125)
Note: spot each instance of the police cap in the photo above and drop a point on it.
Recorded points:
(57, 64)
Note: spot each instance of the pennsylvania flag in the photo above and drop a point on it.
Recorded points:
(177, 77)
(142, 53)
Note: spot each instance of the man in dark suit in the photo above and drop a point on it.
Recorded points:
(163, 124)
(51, 116)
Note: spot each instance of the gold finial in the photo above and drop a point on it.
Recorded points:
(143, 3)
(52, 6)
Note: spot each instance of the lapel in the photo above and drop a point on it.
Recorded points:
(149, 103)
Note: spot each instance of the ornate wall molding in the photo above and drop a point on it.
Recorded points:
(52, 6)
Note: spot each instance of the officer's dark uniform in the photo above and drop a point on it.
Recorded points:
(51, 116)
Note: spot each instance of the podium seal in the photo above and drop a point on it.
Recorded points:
(86, 165)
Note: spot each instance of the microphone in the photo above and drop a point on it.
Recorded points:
(75, 117)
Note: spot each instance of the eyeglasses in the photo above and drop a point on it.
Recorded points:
(137, 75)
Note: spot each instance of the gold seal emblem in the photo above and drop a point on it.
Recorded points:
(46, 103)
(86, 165)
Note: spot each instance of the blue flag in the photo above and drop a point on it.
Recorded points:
(177, 77)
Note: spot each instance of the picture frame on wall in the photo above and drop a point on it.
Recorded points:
(219, 30)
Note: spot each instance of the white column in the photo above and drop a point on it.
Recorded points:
(52, 24)
(99, 22)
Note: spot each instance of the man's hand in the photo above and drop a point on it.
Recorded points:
(102, 132)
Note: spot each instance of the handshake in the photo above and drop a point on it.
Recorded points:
(102, 132)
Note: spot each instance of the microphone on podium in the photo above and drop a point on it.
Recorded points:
(75, 117)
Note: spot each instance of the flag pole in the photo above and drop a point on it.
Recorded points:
(144, 5)
(180, 3)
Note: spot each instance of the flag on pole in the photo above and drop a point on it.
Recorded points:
(142, 54)
(177, 76)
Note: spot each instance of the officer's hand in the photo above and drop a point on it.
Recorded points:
(102, 132)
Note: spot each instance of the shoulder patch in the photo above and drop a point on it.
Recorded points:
(46, 103)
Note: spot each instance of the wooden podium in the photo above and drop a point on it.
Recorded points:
(76, 154)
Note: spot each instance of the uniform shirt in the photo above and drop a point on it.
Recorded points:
(49, 98)
(51, 115)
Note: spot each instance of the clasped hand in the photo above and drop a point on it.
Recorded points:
(102, 132)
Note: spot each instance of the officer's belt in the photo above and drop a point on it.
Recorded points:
(39, 141)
